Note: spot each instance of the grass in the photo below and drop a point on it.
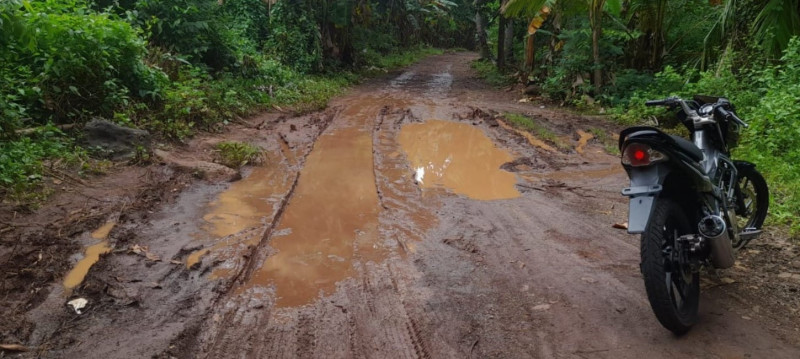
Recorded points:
(236, 154)
(406, 57)
(608, 142)
(537, 130)
(489, 73)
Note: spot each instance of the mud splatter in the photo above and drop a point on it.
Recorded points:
(578, 175)
(583, 139)
(533, 141)
(90, 257)
(458, 157)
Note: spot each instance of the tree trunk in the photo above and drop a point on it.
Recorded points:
(501, 42)
(509, 41)
(598, 71)
(596, 18)
(529, 54)
(480, 29)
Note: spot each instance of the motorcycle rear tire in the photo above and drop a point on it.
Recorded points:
(673, 291)
(754, 218)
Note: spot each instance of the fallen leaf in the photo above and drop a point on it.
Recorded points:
(137, 249)
(727, 280)
(145, 251)
(175, 261)
(13, 347)
(152, 257)
(621, 225)
(77, 304)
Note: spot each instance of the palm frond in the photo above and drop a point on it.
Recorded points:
(525, 8)
(776, 24)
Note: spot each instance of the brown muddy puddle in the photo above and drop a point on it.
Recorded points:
(90, 257)
(458, 157)
(245, 205)
(330, 222)
(583, 139)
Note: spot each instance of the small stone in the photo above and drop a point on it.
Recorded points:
(727, 280)
(542, 307)
(785, 275)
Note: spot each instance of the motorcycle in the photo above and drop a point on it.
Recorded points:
(692, 204)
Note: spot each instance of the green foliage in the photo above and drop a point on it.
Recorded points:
(536, 129)
(295, 39)
(773, 139)
(22, 161)
(65, 63)
(608, 142)
(236, 154)
(489, 73)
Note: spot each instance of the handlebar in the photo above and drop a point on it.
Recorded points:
(719, 108)
(730, 115)
(656, 103)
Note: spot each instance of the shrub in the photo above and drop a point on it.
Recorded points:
(22, 160)
(66, 64)
(236, 154)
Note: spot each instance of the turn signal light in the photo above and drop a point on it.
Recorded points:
(639, 154)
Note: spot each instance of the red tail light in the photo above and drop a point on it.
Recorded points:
(639, 154)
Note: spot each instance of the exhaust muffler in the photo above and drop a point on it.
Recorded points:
(715, 230)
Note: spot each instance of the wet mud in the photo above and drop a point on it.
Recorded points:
(90, 257)
(340, 246)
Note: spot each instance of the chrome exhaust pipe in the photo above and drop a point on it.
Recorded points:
(716, 232)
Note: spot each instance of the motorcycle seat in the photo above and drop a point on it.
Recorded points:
(688, 147)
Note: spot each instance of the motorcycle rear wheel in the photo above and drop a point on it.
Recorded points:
(752, 199)
(673, 289)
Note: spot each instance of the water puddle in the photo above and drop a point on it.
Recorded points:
(330, 222)
(90, 257)
(248, 203)
(459, 157)
(583, 139)
(533, 141)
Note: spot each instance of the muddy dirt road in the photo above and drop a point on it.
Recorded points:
(409, 220)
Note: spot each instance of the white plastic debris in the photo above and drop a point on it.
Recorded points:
(419, 174)
(77, 304)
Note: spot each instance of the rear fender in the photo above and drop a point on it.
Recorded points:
(646, 184)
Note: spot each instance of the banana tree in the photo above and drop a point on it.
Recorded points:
(595, 9)
(776, 22)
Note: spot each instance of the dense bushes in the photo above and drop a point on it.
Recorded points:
(62, 64)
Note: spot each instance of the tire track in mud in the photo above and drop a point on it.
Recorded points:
(228, 331)
(378, 319)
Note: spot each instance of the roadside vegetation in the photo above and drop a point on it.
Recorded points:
(175, 67)
(610, 56)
